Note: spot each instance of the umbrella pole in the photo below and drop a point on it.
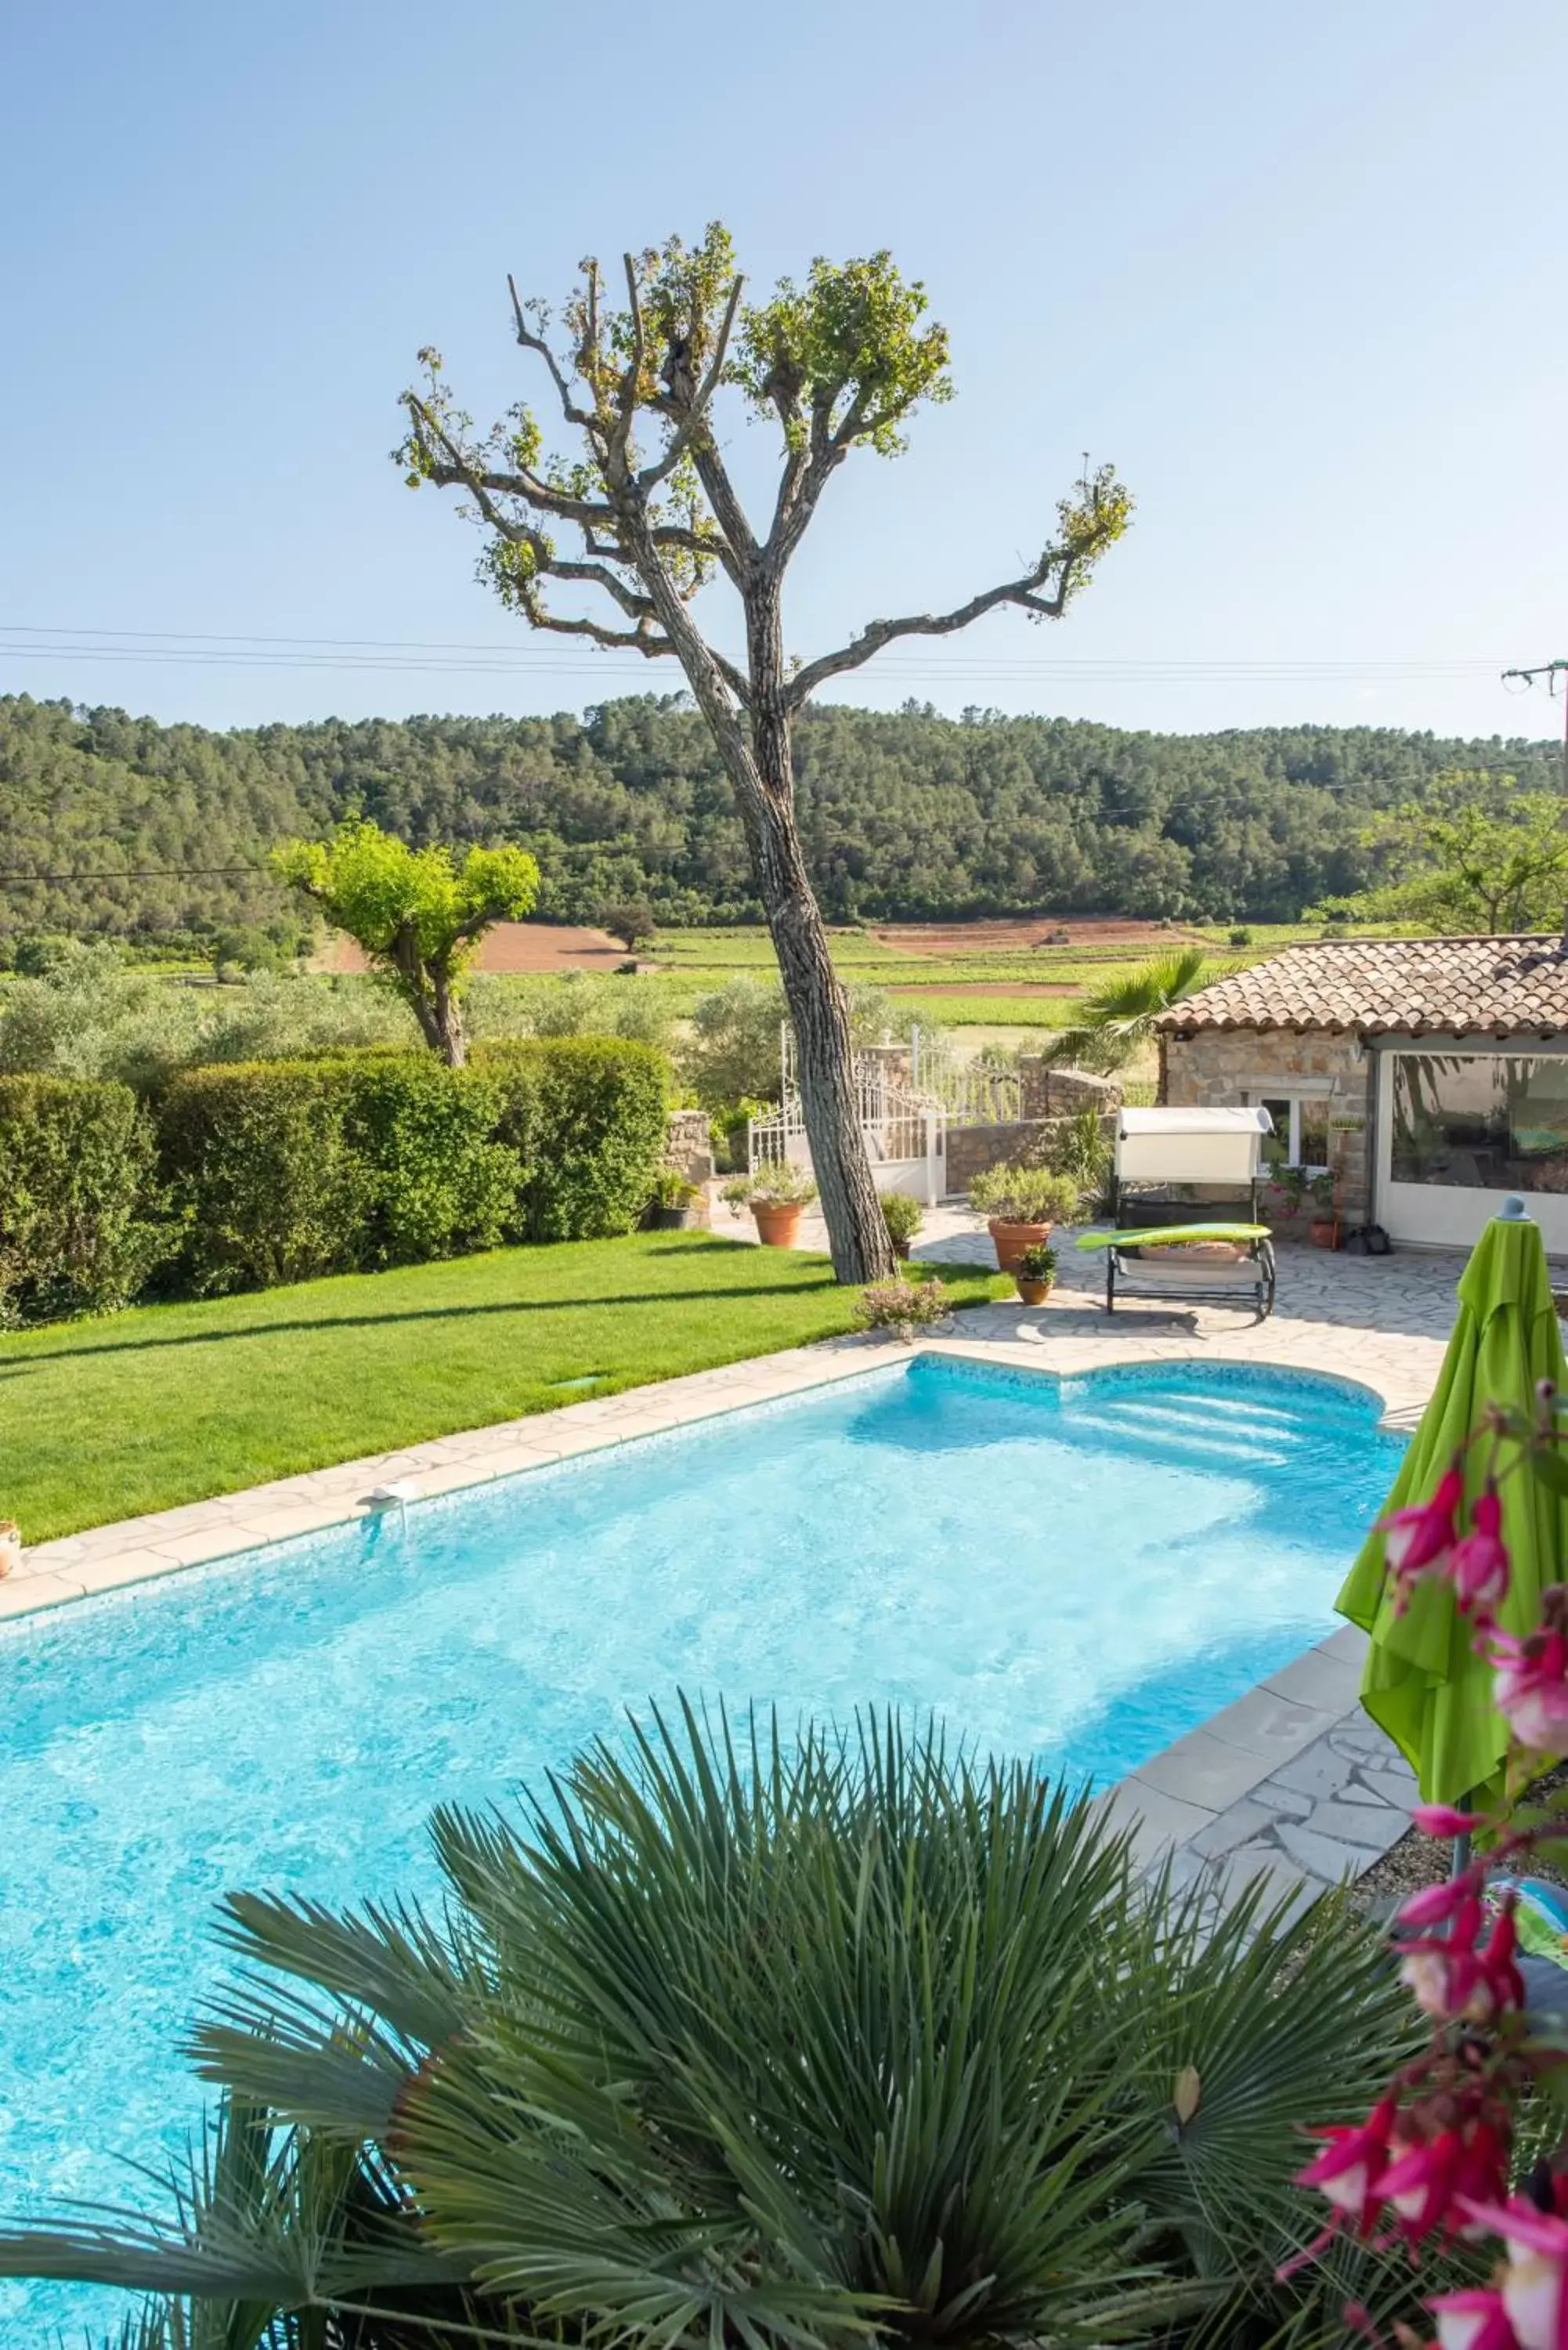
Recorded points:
(1461, 1859)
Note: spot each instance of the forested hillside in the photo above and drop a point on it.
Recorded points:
(904, 813)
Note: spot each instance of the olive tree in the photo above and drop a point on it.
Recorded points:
(645, 513)
(416, 914)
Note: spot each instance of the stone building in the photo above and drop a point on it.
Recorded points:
(1429, 1075)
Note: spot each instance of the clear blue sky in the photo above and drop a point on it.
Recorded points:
(1299, 269)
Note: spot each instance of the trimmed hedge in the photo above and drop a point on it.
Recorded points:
(266, 1183)
(286, 1170)
(586, 1116)
(442, 1184)
(79, 1223)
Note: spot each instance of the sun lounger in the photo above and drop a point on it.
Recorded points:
(1176, 1174)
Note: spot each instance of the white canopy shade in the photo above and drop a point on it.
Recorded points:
(1190, 1146)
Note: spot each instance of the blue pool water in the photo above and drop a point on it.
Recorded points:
(1079, 1573)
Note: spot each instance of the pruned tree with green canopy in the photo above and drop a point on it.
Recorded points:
(416, 913)
(653, 516)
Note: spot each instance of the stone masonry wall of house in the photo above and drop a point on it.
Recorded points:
(1214, 1068)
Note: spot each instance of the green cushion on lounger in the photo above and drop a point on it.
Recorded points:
(1173, 1235)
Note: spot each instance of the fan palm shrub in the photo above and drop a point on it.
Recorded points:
(1116, 1019)
(790, 2043)
(1078, 1148)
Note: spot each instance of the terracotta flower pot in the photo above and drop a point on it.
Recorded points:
(10, 1545)
(1323, 1235)
(1032, 1292)
(1013, 1239)
(777, 1227)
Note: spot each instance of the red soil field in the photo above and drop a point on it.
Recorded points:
(511, 947)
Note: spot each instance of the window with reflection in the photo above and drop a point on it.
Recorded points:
(1482, 1121)
(1300, 1137)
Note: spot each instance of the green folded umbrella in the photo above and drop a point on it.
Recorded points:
(1423, 1682)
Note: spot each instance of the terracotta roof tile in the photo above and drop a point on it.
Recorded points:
(1454, 987)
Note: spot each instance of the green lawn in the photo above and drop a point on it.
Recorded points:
(171, 1403)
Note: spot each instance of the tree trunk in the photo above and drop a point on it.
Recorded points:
(819, 1012)
(764, 781)
(451, 1036)
(818, 1005)
(428, 992)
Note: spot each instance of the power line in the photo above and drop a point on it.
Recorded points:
(203, 648)
(511, 649)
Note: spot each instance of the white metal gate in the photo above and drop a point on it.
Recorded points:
(904, 1109)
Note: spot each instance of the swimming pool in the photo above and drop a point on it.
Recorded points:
(1078, 1571)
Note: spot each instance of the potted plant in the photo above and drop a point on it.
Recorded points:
(1323, 1230)
(903, 1216)
(1021, 1205)
(10, 1546)
(674, 1201)
(776, 1196)
(1287, 1191)
(1035, 1274)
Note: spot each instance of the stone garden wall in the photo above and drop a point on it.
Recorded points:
(1049, 1092)
(972, 1150)
(688, 1147)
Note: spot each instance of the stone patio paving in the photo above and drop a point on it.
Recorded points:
(1291, 1782)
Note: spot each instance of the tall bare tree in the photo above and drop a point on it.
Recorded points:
(654, 515)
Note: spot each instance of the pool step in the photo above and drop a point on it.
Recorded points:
(1183, 1416)
(1171, 1434)
(1196, 1403)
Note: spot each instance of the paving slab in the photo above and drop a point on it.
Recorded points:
(1269, 1725)
(1329, 1684)
(1375, 1826)
(1159, 1822)
(1321, 1857)
(1201, 1769)
(1317, 1771)
(1243, 1823)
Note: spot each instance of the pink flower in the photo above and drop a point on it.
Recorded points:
(1431, 2182)
(1477, 1567)
(1482, 2174)
(1442, 1820)
(1440, 1973)
(1529, 1688)
(1500, 1972)
(1435, 1902)
(1418, 2185)
(1352, 2164)
(1472, 2321)
(1453, 1977)
(1417, 1540)
(1533, 2288)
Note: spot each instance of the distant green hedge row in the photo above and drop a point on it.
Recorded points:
(250, 1174)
